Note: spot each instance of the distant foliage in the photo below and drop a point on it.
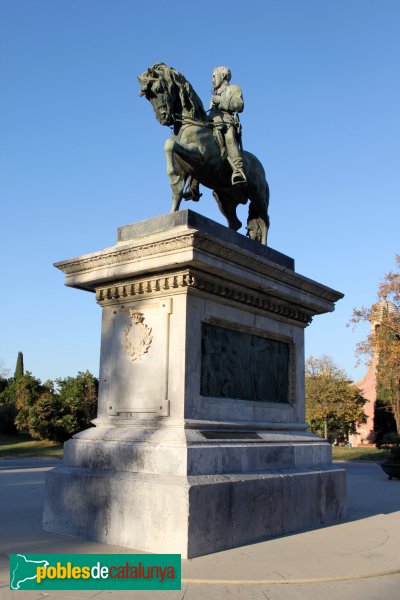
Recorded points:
(58, 416)
(8, 409)
(79, 395)
(384, 339)
(333, 404)
(46, 411)
(8, 413)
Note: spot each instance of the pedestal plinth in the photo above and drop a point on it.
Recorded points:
(200, 442)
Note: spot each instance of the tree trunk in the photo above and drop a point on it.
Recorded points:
(326, 428)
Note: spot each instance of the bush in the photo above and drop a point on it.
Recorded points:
(46, 420)
(8, 412)
(58, 416)
(47, 414)
(391, 442)
(384, 421)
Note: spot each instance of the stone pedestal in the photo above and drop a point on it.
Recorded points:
(200, 442)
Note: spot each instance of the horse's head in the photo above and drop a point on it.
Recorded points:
(155, 88)
(170, 94)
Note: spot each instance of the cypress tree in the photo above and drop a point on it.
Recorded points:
(19, 367)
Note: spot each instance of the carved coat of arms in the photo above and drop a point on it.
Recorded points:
(137, 336)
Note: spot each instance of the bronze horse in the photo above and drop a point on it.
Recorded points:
(192, 151)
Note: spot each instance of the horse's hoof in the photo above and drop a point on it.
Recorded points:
(190, 195)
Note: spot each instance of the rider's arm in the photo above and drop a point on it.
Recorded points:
(232, 100)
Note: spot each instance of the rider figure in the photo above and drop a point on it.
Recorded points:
(226, 102)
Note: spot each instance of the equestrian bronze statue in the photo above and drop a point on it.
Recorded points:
(206, 149)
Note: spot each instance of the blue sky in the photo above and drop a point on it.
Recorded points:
(81, 154)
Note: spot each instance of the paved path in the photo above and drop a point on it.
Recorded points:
(356, 559)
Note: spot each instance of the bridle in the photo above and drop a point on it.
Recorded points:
(162, 101)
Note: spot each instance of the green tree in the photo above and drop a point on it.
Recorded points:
(333, 403)
(383, 341)
(3, 379)
(46, 411)
(57, 415)
(26, 391)
(19, 367)
(8, 411)
(48, 419)
(79, 397)
(384, 421)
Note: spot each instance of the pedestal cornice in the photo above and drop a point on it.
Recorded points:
(202, 284)
(204, 261)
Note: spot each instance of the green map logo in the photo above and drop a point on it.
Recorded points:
(95, 572)
(24, 570)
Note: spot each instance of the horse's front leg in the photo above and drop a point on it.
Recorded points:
(177, 185)
(177, 181)
(190, 154)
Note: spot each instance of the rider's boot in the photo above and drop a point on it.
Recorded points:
(238, 176)
(235, 158)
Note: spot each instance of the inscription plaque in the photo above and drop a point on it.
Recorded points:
(243, 366)
(230, 435)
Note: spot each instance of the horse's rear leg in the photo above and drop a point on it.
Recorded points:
(258, 219)
(228, 208)
(257, 230)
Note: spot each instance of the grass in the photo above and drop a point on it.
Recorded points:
(23, 446)
(367, 454)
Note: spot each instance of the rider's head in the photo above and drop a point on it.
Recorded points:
(219, 75)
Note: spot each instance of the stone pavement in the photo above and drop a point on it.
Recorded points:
(357, 559)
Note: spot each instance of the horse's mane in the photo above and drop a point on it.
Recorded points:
(188, 97)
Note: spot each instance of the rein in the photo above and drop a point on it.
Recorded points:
(186, 121)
